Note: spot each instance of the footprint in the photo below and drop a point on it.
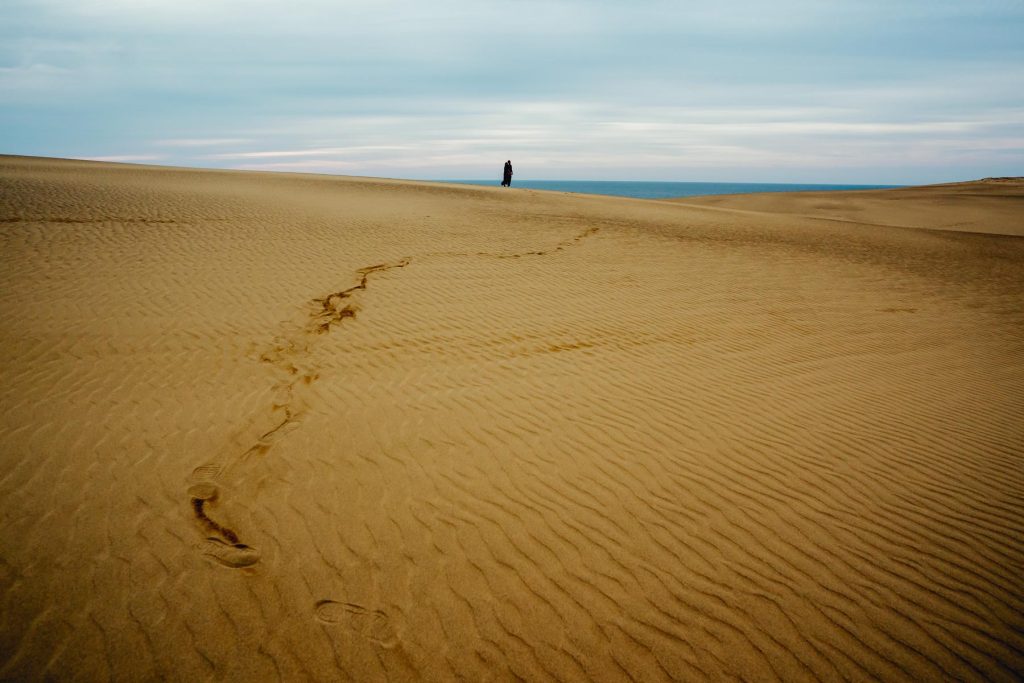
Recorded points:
(235, 555)
(203, 491)
(207, 472)
(226, 549)
(199, 508)
(380, 631)
(373, 625)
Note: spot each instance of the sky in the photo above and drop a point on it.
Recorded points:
(858, 91)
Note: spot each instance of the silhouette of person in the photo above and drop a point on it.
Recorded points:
(506, 180)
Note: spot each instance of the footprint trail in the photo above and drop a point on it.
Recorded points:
(288, 353)
(289, 357)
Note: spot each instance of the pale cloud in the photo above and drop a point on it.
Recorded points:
(321, 166)
(200, 142)
(125, 158)
(792, 128)
(326, 151)
(35, 77)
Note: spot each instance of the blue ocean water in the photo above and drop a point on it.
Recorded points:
(663, 190)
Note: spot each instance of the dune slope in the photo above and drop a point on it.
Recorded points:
(264, 426)
(992, 205)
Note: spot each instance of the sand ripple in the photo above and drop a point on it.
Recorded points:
(261, 427)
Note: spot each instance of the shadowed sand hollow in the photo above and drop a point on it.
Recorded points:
(262, 426)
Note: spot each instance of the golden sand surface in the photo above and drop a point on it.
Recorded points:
(992, 205)
(278, 426)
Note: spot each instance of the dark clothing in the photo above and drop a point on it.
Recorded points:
(506, 180)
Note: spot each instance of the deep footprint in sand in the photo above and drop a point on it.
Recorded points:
(373, 625)
(235, 555)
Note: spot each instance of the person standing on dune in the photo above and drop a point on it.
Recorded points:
(506, 180)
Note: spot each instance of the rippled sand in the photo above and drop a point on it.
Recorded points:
(263, 426)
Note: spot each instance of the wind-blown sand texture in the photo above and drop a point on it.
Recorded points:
(262, 426)
(993, 205)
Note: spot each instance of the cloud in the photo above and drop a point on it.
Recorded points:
(321, 166)
(325, 151)
(200, 142)
(34, 76)
(124, 158)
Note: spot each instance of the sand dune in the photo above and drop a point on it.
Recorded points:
(992, 205)
(263, 426)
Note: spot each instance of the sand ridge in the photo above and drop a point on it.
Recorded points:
(267, 426)
(992, 205)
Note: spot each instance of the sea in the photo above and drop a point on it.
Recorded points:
(665, 190)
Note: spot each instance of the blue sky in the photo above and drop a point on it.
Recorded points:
(788, 91)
